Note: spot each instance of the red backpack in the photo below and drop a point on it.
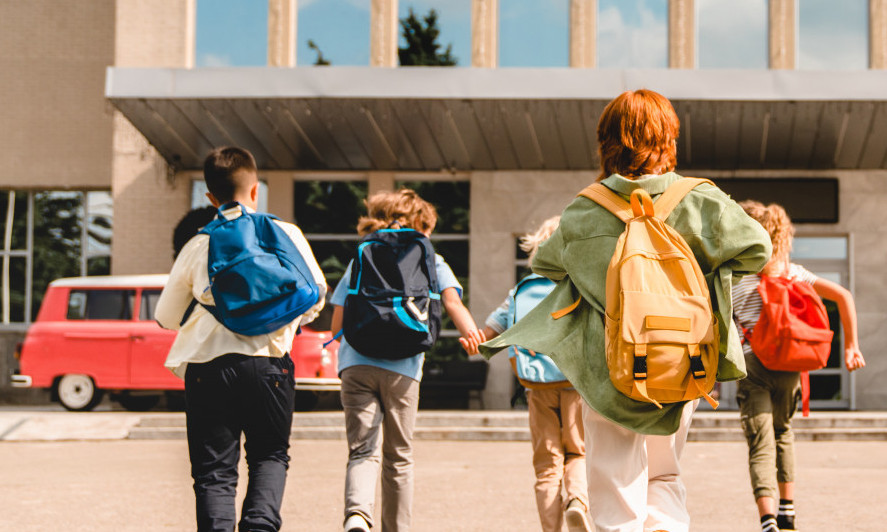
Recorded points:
(792, 332)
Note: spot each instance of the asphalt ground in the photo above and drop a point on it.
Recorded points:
(128, 485)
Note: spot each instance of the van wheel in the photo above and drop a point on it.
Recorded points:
(138, 403)
(78, 392)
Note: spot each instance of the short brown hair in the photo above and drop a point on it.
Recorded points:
(637, 135)
(403, 207)
(778, 225)
(228, 171)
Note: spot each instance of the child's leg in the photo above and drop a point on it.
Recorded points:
(616, 459)
(785, 403)
(573, 438)
(400, 399)
(267, 402)
(548, 456)
(756, 416)
(666, 495)
(213, 443)
(363, 419)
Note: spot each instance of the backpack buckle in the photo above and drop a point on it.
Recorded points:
(640, 367)
(697, 368)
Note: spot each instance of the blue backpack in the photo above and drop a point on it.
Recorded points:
(531, 368)
(392, 310)
(258, 278)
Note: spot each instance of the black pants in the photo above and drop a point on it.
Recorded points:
(226, 396)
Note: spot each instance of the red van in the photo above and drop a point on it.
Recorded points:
(97, 334)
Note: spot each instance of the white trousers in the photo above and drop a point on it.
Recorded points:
(634, 480)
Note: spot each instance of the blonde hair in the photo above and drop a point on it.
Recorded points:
(402, 207)
(530, 242)
(778, 225)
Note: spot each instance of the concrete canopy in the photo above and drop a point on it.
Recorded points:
(456, 119)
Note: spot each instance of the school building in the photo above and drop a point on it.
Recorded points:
(105, 121)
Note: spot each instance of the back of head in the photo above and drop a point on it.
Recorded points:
(403, 207)
(229, 172)
(778, 225)
(637, 135)
(190, 225)
(530, 242)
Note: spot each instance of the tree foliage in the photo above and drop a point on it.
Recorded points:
(422, 48)
(321, 60)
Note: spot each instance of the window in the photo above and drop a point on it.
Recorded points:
(632, 34)
(199, 199)
(833, 35)
(340, 30)
(47, 235)
(231, 33)
(100, 304)
(149, 303)
(534, 34)
(732, 34)
(453, 20)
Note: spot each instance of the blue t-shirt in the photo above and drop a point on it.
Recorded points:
(410, 367)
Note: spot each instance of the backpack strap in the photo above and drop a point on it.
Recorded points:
(609, 200)
(675, 193)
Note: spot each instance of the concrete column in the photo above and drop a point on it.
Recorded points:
(280, 194)
(485, 33)
(379, 181)
(383, 33)
(782, 22)
(583, 33)
(282, 33)
(681, 34)
(878, 34)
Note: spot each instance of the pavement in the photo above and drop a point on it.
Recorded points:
(83, 472)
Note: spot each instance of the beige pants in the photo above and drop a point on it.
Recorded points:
(558, 452)
(380, 407)
(634, 481)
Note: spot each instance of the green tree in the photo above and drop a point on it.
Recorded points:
(321, 60)
(422, 48)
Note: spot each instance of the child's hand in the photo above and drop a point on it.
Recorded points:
(853, 358)
(471, 342)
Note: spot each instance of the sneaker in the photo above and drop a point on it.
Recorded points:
(356, 523)
(575, 514)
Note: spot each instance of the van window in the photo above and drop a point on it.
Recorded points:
(149, 303)
(101, 304)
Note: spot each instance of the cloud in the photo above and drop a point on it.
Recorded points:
(640, 44)
(833, 35)
(732, 34)
(213, 60)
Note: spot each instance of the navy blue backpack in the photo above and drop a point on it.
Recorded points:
(258, 278)
(392, 310)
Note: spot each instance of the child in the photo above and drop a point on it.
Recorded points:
(382, 394)
(233, 383)
(768, 399)
(555, 411)
(632, 447)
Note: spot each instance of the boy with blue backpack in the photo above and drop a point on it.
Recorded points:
(555, 408)
(388, 306)
(237, 293)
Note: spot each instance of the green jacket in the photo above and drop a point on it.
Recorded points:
(727, 243)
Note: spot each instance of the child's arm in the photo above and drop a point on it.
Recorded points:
(177, 295)
(336, 320)
(847, 309)
(471, 336)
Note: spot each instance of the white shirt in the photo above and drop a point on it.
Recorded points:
(201, 338)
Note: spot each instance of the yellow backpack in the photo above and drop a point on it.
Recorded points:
(661, 334)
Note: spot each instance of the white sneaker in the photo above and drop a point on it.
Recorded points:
(575, 516)
(356, 523)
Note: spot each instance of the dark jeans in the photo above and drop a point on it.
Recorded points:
(226, 396)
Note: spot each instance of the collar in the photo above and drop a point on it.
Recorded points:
(232, 210)
(654, 185)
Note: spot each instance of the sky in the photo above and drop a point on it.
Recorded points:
(534, 33)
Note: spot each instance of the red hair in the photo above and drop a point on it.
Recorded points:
(637, 135)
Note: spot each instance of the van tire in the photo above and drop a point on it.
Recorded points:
(78, 392)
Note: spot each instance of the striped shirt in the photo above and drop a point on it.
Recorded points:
(747, 299)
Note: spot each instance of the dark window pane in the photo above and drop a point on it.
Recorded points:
(149, 303)
(100, 304)
(827, 387)
(19, 218)
(452, 199)
(17, 290)
(100, 224)
(58, 217)
(817, 204)
(328, 206)
(333, 257)
(98, 265)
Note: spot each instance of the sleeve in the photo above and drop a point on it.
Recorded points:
(304, 249)
(178, 292)
(548, 260)
(797, 272)
(445, 276)
(341, 291)
(498, 319)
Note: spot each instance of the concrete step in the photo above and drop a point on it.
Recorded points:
(338, 433)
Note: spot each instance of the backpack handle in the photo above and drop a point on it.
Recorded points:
(641, 203)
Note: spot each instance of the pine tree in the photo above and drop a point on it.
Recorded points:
(422, 47)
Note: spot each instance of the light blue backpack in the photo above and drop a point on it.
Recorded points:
(532, 369)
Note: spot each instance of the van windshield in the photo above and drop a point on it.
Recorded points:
(101, 304)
